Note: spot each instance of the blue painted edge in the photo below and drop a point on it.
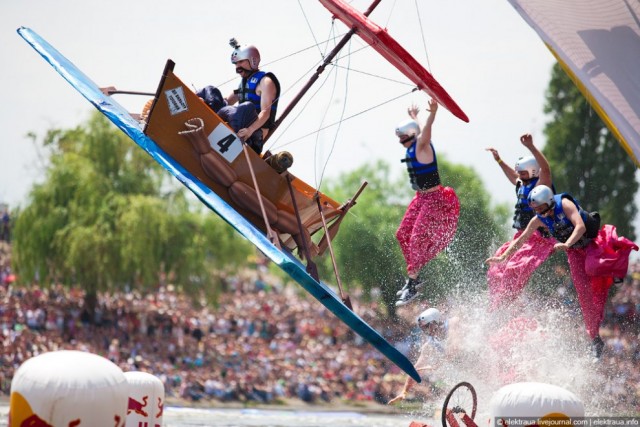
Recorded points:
(291, 265)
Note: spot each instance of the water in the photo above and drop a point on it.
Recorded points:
(188, 417)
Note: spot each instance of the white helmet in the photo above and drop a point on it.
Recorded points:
(528, 164)
(249, 52)
(541, 195)
(428, 316)
(408, 127)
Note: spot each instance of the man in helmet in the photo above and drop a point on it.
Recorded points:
(432, 323)
(507, 280)
(431, 219)
(574, 230)
(260, 88)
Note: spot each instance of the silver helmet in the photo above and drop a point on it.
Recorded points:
(541, 195)
(249, 52)
(428, 316)
(408, 127)
(528, 164)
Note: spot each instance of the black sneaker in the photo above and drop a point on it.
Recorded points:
(597, 345)
(617, 280)
(407, 296)
(410, 283)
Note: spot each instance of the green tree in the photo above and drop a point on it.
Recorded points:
(586, 159)
(106, 217)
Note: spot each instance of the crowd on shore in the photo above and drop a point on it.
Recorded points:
(264, 342)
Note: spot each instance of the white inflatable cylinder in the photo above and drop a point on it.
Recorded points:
(68, 389)
(146, 400)
(520, 401)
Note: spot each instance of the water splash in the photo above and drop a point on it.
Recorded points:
(533, 340)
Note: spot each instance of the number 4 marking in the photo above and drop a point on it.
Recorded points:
(225, 143)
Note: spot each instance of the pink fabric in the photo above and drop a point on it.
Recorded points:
(592, 291)
(517, 330)
(507, 279)
(428, 226)
(608, 254)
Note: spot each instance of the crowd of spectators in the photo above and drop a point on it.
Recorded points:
(263, 343)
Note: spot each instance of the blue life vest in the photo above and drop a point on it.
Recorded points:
(422, 176)
(247, 92)
(560, 226)
(523, 212)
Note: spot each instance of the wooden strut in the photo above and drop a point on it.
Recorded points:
(168, 68)
(345, 299)
(312, 269)
(114, 91)
(319, 71)
(108, 91)
(272, 235)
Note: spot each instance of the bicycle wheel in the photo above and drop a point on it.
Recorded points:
(462, 399)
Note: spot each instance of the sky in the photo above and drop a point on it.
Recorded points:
(483, 53)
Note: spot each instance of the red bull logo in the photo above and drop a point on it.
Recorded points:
(35, 421)
(137, 407)
(160, 408)
(21, 414)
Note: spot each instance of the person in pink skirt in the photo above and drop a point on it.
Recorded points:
(431, 219)
(597, 256)
(507, 280)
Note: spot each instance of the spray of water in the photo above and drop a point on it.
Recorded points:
(533, 340)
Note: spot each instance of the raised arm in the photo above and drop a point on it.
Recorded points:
(424, 152)
(509, 172)
(545, 170)
(425, 137)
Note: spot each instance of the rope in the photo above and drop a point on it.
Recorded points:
(301, 110)
(376, 75)
(326, 111)
(344, 106)
(424, 43)
(393, 6)
(310, 29)
(349, 117)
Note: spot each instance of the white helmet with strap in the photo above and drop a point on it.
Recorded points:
(408, 127)
(528, 164)
(428, 316)
(248, 52)
(541, 195)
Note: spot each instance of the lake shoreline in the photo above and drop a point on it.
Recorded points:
(297, 405)
(293, 405)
